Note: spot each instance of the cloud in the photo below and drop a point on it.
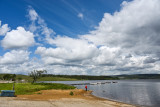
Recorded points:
(107, 56)
(125, 42)
(151, 60)
(24, 66)
(19, 38)
(33, 16)
(80, 15)
(127, 29)
(4, 29)
(68, 50)
(14, 57)
(138, 40)
(39, 27)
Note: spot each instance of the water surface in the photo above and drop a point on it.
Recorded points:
(137, 92)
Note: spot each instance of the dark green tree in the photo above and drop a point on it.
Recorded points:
(7, 76)
(35, 74)
(13, 77)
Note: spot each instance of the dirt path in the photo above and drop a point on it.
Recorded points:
(59, 98)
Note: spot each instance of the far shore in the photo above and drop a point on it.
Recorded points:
(60, 98)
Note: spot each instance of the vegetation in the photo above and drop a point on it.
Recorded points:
(56, 79)
(140, 76)
(36, 74)
(8, 77)
(51, 77)
(82, 77)
(27, 78)
(28, 88)
(71, 93)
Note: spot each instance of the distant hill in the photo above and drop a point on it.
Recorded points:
(139, 76)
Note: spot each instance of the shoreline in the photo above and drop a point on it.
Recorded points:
(116, 101)
(80, 98)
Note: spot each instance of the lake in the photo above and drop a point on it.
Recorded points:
(137, 92)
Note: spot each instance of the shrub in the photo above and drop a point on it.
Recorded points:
(71, 93)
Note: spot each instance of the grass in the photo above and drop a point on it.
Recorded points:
(29, 79)
(28, 88)
(56, 79)
(24, 77)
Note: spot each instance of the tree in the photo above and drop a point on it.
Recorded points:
(9, 77)
(13, 77)
(35, 74)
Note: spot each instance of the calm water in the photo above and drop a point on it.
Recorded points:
(138, 92)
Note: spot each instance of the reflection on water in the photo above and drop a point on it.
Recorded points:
(138, 92)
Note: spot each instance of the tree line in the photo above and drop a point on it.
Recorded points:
(82, 77)
(11, 77)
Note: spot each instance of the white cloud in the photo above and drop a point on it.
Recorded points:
(107, 56)
(125, 42)
(68, 50)
(19, 38)
(80, 15)
(33, 14)
(15, 57)
(126, 27)
(39, 27)
(24, 66)
(4, 29)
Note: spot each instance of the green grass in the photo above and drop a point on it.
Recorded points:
(24, 77)
(29, 79)
(56, 79)
(28, 88)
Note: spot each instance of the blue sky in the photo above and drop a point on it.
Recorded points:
(90, 37)
(60, 15)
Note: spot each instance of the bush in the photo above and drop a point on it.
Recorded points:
(71, 93)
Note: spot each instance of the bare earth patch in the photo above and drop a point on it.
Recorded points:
(59, 98)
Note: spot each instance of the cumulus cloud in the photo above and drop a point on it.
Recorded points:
(4, 29)
(122, 43)
(107, 56)
(19, 38)
(68, 50)
(137, 40)
(15, 57)
(24, 66)
(127, 29)
(126, 42)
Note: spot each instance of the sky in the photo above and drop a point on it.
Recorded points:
(80, 37)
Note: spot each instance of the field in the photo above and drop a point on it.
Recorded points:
(28, 88)
(56, 79)
(48, 78)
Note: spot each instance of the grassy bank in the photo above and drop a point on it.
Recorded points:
(56, 79)
(28, 88)
(51, 77)
(29, 79)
